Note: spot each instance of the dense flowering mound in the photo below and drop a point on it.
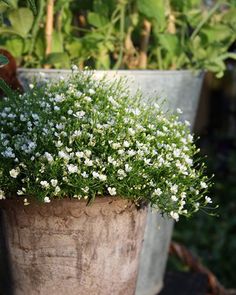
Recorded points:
(85, 138)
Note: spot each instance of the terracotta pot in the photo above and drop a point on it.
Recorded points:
(66, 247)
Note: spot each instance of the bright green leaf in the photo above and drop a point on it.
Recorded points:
(57, 42)
(59, 60)
(97, 20)
(15, 46)
(153, 10)
(170, 43)
(21, 20)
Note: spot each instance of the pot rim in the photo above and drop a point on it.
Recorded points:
(136, 71)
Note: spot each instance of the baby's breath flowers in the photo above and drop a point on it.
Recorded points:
(85, 138)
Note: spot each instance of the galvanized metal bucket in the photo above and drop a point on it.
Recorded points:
(180, 89)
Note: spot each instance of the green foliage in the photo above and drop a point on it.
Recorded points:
(21, 20)
(109, 34)
(154, 11)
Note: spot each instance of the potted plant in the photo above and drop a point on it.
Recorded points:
(79, 163)
(172, 42)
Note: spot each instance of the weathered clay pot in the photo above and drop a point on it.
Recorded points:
(66, 247)
(181, 89)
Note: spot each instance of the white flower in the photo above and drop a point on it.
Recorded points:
(79, 154)
(174, 189)
(115, 146)
(174, 215)
(203, 184)
(121, 173)
(183, 195)
(48, 156)
(128, 168)
(102, 177)
(63, 155)
(85, 175)
(179, 111)
(126, 143)
(131, 131)
(47, 200)
(57, 189)
(91, 91)
(2, 195)
(54, 182)
(176, 153)
(72, 168)
(95, 174)
(208, 200)
(8, 153)
(74, 68)
(26, 202)
(112, 191)
(88, 99)
(58, 98)
(20, 192)
(112, 101)
(174, 198)
(79, 114)
(157, 191)
(14, 172)
(88, 162)
(44, 184)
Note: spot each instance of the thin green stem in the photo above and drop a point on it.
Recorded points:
(35, 29)
(122, 33)
(159, 59)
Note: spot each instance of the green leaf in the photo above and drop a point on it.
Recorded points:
(39, 48)
(170, 43)
(15, 46)
(153, 10)
(97, 20)
(21, 20)
(74, 48)
(57, 42)
(217, 33)
(9, 31)
(7, 2)
(59, 59)
(230, 18)
(6, 89)
(3, 60)
(32, 6)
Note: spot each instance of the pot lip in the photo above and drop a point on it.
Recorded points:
(106, 200)
(63, 207)
(122, 71)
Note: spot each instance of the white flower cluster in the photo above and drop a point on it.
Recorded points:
(85, 138)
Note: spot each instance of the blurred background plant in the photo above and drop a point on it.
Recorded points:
(107, 34)
(213, 239)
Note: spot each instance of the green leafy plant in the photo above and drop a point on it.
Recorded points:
(97, 142)
(122, 34)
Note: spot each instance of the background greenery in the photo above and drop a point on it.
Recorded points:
(104, 34)
(213, 239)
